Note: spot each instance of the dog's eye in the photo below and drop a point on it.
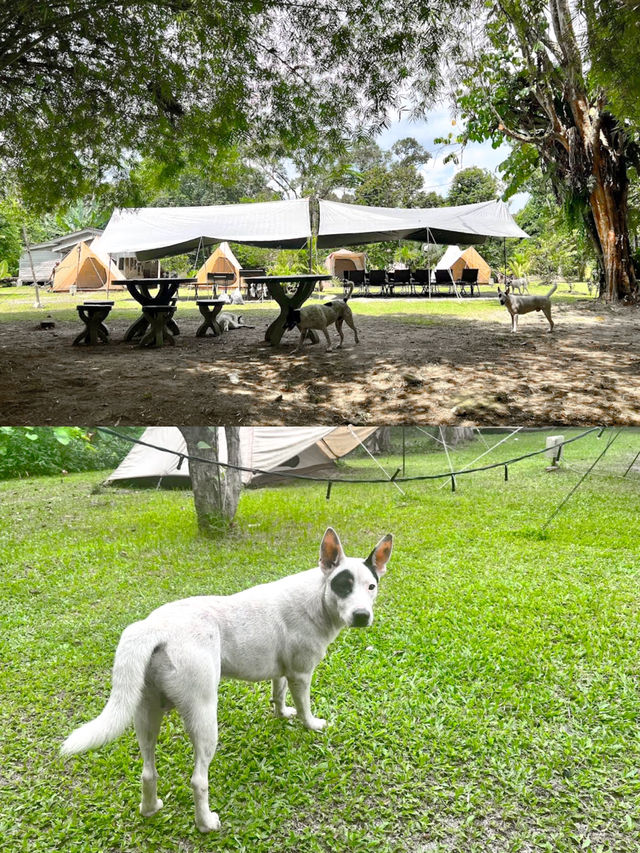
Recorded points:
(372, 586)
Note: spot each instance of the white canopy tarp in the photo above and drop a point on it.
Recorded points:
(296, 450)
(153, 232)
(467, 223)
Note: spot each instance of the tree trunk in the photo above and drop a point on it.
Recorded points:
(216, 491)
(380, 441)
(608, 203)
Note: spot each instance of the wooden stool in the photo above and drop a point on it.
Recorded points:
(138, 328)
(158, 318)
(93, 315)
(209, 308)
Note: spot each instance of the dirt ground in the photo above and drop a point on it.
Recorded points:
(407, 369)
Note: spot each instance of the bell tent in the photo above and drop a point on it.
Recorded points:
(221, 261)
(456, 260)
(86, 270)
(344, 260)
(268, 453)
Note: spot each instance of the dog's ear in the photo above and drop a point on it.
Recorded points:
(499, 290)
(331, 553)
(380, 556)
(507, 289)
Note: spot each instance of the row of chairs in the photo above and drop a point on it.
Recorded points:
(420, 282)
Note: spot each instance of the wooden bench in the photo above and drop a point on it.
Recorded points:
(93, 315)
(209, 309)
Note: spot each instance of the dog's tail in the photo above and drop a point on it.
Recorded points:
(348, 290)
(132, 657)
(554, 287)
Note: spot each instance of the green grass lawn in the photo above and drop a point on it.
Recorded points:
(16, 304)
(494, 704)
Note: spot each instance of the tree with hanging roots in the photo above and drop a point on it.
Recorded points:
(527, 73)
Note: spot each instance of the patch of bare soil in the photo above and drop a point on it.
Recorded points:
(440, 371)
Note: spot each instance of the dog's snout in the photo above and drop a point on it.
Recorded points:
(360, 618)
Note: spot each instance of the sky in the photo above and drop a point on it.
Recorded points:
(438, 174)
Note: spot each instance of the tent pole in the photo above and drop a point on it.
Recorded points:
(77, 266)
(109, 262)
(429, 264)
(33, 271)
(403, 452)
(504, 258)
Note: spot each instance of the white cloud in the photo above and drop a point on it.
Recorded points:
(438, 174)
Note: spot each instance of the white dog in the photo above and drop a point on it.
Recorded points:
(320, 317)
(517, 305)
(277, 631)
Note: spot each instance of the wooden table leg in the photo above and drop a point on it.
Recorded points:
(158, 333)
(137, 328)
(276, 330)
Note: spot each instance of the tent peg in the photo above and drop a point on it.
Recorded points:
(329, 489)
(506, 473)
(453, 483)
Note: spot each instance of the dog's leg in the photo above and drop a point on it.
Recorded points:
(349, 321)
(147, 723)
(201, 723)
(278, 693)
(339, 330)
(303, 333)
(300, 687)
(547, 314)
(326, 334)
(514, 323)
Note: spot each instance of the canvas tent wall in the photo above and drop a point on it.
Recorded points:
(85, 269)
(344, 259)
(222, 260)
(456, 260)
(276, 450)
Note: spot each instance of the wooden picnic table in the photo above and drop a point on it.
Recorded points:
(164, 299)
(289, 291)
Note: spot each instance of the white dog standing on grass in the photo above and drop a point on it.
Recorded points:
(517, 305)
(277, 631)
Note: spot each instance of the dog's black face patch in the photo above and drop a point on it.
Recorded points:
(342, 583)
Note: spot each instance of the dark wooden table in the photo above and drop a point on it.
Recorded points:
(289, 291)
(93, 315)
(209, 308)
(167, 288)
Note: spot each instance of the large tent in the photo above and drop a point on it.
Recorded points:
(87, 270)
(456, 260)
(220, 261)
(466, 223)
(276, 450)
(344, 259)
(153, 232)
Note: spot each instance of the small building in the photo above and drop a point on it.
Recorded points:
(46, 255)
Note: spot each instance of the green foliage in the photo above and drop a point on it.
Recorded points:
(33, 451)
(472, 185)
(85, 93)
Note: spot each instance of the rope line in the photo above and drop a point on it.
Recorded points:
(581, 480)
(290, 475)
